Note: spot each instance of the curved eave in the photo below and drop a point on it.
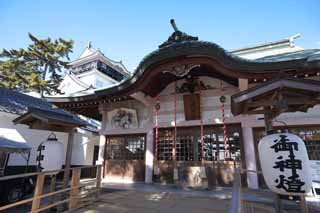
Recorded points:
(67, 99)
(234, 66)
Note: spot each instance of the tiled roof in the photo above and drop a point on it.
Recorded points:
(309, 54)
(19, 103)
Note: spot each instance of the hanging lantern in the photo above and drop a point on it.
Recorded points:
(223, 99)
(50, 154)
(157, 107)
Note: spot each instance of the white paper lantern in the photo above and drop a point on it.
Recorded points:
(285, 164)
(51, 154)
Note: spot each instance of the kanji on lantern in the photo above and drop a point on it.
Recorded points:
(285, 163)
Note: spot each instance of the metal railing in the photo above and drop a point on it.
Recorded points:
(235, 206)
(72, 197)
(238, 204)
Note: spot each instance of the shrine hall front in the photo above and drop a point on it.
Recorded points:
(170, 122)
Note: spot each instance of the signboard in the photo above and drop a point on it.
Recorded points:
(123, 118)
(285, 164)
(315, 170)
(315, 175)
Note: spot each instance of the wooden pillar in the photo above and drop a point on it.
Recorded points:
(98, 183)
(303, 205)
(67, 163)
(52, 189)
(74, 193)
(37, 192)
(269, 129)
(268, 120)
(102, 152)
(243, 84)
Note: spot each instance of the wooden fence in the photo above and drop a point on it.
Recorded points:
(76, 195)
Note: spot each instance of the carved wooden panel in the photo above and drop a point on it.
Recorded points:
(192, 107)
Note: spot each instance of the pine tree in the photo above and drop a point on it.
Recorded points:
(38, 67)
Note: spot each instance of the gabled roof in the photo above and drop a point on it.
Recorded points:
(18, 103)
(50, 116)
(22, 104)
(157, 69)
(283, 93)
(89, 54)
(308, 59)
(309, 54)
(283, 42)
(88, 51)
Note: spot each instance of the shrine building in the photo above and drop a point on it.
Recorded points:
(171, 120)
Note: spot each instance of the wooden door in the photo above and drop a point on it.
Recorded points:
(125, 158)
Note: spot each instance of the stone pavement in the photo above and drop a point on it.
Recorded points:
(155, 202)
(157, 198)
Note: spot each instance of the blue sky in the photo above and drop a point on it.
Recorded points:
(128, 30)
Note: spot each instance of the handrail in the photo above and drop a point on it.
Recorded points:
(45, 173)
(74, 189)
(250, 170)
(235, 206)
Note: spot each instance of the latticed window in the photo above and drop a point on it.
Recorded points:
(185, 148)
(125, 148)
(309, 134)
(213, 143)
(189, 144)
(165, 144)
(135, 146)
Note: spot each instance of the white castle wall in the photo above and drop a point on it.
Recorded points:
(82, 145)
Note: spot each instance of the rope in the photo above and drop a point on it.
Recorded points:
(157, 108)
(201, 125)
(175, 121)
(225, 135)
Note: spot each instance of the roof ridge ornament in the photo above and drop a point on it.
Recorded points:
(174, 26)
(177, 36)
(89, 45)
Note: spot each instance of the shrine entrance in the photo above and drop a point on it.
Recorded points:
(199, 164)
(125, 158)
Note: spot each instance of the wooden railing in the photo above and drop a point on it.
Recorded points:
(74, 196)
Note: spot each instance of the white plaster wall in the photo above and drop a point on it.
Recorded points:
(87, 78)
(106, 80)
(83, 147)
(22, 133)
(92, 77)
(102, 143)
(69, 86)
(82, 144)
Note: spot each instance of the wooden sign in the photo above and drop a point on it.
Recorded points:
(285, 164)
(123, 118)
(192, 107)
